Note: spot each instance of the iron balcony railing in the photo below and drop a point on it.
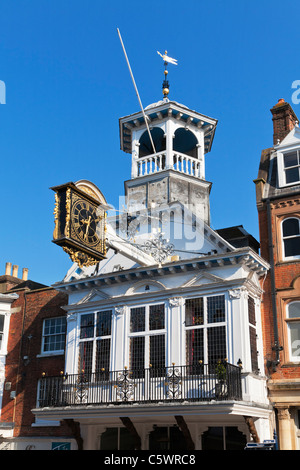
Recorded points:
(176, 383)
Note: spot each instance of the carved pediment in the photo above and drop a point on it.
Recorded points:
(93, 296)
(202, 279)
(145, 286)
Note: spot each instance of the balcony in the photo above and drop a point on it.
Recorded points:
(159, 162)
(196, 383)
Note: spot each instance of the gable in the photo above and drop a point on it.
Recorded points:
(202, 279)
(93, 296)
(145, 286)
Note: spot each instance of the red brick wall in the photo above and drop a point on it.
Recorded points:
(25, 338)
(285, 275)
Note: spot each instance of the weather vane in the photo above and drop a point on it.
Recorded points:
(167, 60)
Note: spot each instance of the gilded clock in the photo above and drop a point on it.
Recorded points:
(85, 220)
(79, 224)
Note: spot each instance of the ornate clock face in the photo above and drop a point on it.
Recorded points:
(85, 222)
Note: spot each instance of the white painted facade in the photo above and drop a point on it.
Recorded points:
(198, 264)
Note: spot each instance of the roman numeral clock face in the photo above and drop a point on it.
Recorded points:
(85, 222)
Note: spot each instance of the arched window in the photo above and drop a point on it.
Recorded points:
(159, 140)
(185, 142)
(293, 324)
(291, 237)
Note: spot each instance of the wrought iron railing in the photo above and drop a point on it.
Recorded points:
(200, 382)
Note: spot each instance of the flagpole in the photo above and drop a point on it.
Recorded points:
(136, 90)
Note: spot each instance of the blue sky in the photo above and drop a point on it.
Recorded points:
(67, 84)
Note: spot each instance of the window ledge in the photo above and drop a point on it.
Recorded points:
(50, 354)
(287, 261)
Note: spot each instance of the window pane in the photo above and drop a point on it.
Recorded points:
(157, 351)
(290, 227)
(156, 317)
(137, 353)
(294, 310)
(216, 339)
(85, 357)
(103, 327)
(253, 349)
(292, 175)
(87, 326)
(292, 246)
(54, 343)
(194, 346)
(137, 319)
(251, 311)
(194, 312)
(1, 323)
(295, 339)
(215, 309)
(54, 334)
(102, 354)
(290, 159)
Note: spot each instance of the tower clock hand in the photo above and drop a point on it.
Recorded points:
(87, 226)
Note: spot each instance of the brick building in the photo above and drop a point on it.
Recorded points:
(32, 343)
(278, 204)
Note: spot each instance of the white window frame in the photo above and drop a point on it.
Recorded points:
(2, 333)
(281, 168)
(287, 258)
(55, 352)
(93, 339)
(289, 322)
(147, 332)
(207, 325)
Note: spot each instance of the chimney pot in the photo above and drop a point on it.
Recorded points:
(8, 269)
(25, 274)
(284, 120)
(15, 270)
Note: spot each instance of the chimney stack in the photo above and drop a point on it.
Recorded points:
(25, 274)
(284, 120)
(8, 269)
(15, 270)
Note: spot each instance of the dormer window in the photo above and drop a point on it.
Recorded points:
(291, 163)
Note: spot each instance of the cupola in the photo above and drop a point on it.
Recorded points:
(168, 143)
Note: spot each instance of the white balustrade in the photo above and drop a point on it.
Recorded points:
(157, 162)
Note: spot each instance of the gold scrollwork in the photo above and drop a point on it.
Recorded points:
(82, 259)
(56, 216)
(68, 212)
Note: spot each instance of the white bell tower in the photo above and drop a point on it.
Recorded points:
(173, 169)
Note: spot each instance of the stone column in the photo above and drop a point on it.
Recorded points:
(284, 428)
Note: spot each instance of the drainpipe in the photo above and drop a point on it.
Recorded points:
(276, 347)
